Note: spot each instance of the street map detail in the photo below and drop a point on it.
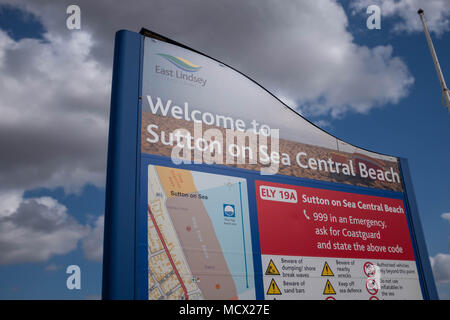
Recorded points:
(199, 242)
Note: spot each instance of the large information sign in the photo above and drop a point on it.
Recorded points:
(217, 190)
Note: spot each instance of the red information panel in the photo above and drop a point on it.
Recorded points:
(301, 221)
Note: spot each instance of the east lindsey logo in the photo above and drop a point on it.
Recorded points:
(183, 66)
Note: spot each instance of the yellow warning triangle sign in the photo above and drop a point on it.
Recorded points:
(272, 269)
(273, 288)
(328, 288)
(326, 271)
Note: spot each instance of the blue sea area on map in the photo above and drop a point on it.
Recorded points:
(230, 232)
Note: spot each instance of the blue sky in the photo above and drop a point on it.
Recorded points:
(404, 119)
(47, 279)
(416, 128)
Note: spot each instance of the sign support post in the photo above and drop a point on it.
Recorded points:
(429, 289)
(121, 186)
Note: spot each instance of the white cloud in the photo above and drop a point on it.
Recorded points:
(302, 48)
(9, 202)
(437, 13)
(53, 100)
(36, 229)
(39, 229)
(289, 102)
(54, 92)
(324, 124)
(52, 267)
(446, 216)
(93, 242)
(441, 267)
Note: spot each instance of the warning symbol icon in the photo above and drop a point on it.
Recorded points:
(273, 288)
(328, 288)
(326, 271)
(272, 269)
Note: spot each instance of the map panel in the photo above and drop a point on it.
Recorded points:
(199, 243)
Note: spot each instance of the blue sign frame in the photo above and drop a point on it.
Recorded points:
(125, 264)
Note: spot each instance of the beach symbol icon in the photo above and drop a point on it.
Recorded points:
(228, 210)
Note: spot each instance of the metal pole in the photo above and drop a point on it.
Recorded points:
(445, 91)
